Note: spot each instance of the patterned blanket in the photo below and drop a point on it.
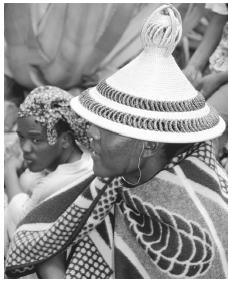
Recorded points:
(67, 221)
(173, 226)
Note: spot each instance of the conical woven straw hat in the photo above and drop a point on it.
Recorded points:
(150, 98)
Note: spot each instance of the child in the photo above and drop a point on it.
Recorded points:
(51, 137)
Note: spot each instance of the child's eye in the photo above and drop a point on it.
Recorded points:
(35, 140)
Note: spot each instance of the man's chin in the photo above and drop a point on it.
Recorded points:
(99, 172)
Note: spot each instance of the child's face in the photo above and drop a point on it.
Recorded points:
(38, 154)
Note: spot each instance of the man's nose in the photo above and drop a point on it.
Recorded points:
(93, 132)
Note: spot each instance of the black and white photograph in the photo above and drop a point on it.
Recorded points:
(115, 140)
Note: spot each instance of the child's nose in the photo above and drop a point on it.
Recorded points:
(26, 146)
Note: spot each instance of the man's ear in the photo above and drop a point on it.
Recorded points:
(150, 148)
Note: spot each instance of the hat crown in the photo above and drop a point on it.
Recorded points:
(150, 98)
(162, 30)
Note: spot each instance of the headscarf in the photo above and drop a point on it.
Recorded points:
(48, 105)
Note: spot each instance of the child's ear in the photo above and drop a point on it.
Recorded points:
(65, 139)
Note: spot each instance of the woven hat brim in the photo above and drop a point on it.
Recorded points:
(149, 135)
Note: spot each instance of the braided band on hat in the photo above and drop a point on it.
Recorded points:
(190, 125)
(150, 98)
(195, 103)
(48, 105)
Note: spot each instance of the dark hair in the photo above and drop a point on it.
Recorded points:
(62, 126)
(79, 136)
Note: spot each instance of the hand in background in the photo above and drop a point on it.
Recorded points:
(209, 84)
(12, 167)
(193, 75)
(13, 164)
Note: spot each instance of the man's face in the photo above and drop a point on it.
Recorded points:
(38, 154)
(113, 155)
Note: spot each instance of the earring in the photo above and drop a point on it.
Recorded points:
(140, 172)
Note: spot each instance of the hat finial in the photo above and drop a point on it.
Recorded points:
(162, 29)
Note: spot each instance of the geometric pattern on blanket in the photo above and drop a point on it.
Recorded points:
(205, 152)
(30, 247)
(177, 246)
(43, 244)
(224, 186)
(186, 251)
(102, 207)
(87, 262)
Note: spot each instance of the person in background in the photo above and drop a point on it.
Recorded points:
(213, 83)
(162, 194)
(53, 141)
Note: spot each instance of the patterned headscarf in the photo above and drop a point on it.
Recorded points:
(48, 105)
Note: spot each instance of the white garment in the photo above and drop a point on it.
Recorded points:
(29, 180)
(39, 186)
